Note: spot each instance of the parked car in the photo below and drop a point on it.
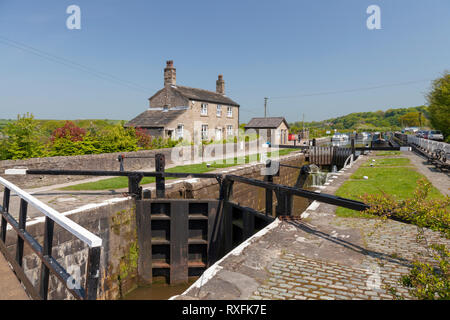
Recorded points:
(435, 135)
(420, 133)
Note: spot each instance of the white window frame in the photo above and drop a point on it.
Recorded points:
(229, 130)
(204, 132)
(204, 109)
(219, 110)
(180, 133)
(229, 111)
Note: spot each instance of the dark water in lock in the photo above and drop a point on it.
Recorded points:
(158, 291)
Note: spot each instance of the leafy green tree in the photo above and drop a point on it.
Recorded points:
(439, 104)
(410, 119)
(23, 139)
(63, 146)
(118, 139)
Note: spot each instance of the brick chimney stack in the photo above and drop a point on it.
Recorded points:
(220, 85)
(170, 74)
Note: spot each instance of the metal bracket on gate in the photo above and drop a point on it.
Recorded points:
(134, 189)
(226, 187)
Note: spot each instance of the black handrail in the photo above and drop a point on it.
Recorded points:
(44, 253)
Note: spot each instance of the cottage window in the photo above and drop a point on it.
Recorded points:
(180, 130)
(219, 110)
(204, 132)
(229, 112)
(204, 109)
(229, 131)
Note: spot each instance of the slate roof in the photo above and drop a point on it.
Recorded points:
(200, 95)
(154, 118)
(269, 122)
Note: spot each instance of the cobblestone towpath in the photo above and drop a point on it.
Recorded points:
(319, 256)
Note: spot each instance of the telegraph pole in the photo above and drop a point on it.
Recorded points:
(265, 107)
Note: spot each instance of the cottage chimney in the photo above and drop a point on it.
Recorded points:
(170, 74)
(220, 85)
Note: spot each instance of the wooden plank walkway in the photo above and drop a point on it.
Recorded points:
(10, 287)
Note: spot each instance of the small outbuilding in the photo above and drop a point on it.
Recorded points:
(274, 129)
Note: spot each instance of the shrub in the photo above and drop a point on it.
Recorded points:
(418, 210)
(23, 139)
(69, 131)
(425, 281)
(118, 139)
(67, 147)
(144, 140)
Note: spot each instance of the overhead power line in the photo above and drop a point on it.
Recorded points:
(73, 64)
(352, 90)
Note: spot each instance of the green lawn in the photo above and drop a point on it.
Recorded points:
(388, 153)
(387, 162)
(399, 182)
(122, 182)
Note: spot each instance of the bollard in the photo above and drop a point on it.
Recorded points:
(269, 193)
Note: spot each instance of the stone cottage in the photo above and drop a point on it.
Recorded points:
(180, 112)
(274, 130)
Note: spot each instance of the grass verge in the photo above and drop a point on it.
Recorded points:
(388, 153)
(122, 182)
(387, 176)
(387, 162)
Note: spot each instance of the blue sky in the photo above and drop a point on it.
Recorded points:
(300, 54)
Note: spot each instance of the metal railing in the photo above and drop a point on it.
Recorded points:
(225, 181)
(428, 145)
(48, 263)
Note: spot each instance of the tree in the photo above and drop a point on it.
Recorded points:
(70, 140)
(439, 104)
(64, 146)
(410, 119)
(69, 131)
(144, 140)
(118, 139)
(23, 139)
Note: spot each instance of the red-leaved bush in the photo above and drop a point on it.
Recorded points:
(144, 139)
(69, 131)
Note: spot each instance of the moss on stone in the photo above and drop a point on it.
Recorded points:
(119, 219)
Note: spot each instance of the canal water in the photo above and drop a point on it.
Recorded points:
(159, 291)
